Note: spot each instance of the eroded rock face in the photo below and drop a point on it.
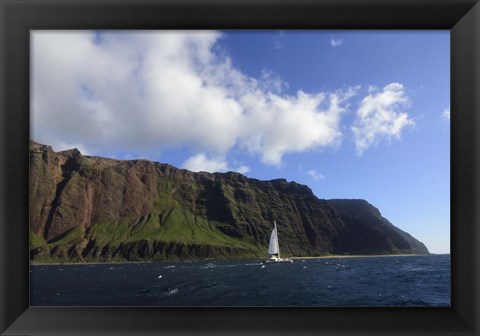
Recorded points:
(368, 232)
(92, 208)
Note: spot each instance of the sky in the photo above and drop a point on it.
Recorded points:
(351, 114)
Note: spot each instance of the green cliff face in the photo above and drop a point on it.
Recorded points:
(86, 208)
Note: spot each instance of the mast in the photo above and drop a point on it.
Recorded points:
(276, 234)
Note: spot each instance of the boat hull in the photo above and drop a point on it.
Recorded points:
(278, 260)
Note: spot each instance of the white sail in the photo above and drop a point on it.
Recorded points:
(273, 249)
(273, 245)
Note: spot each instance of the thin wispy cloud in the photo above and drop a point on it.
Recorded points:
(335, 42)
(446, 113)
(242, 169)
(381, 117)
(279, 40)
(315, 175)
(270, 81)
(61, 146)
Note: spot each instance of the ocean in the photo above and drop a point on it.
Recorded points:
(325, 282)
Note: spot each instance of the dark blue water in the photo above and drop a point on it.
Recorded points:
(369, 281)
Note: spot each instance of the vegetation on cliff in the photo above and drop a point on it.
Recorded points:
(85, 208)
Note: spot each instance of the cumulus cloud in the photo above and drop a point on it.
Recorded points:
(446, 114)
(335, 42)
(380, 117)
(283, 125)
(203, 162)
(315, 175)
(145, 92)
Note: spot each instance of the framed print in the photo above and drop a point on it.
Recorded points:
(238, 249)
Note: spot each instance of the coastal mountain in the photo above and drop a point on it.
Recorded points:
(86, 208)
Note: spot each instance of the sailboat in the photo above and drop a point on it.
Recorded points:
(273, 248)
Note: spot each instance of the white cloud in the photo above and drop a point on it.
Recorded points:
(271, 82)
(315, 175)
(204, 162)
(62, 146)
(380, 117)
(145, 92)
(335, 42)
(298, 123)
(201, 162)
(242, 169)
(446, 113)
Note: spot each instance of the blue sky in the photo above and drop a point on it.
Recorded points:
(351, 114)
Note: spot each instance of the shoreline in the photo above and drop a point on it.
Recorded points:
(366, 256)
(33, 263)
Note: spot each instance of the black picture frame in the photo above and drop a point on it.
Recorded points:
(18, 17)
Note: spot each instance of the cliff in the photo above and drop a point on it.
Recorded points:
(85, 208)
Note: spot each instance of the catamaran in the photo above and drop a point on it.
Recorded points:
(273, 248)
